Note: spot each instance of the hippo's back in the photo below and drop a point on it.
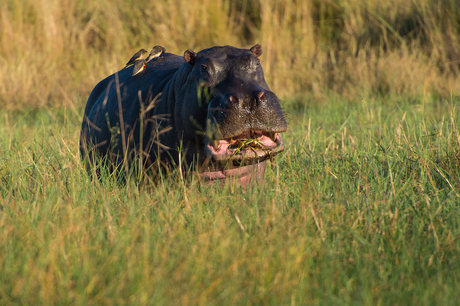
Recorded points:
(102, 108)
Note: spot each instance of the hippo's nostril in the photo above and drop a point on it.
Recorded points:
(260, 95)
(233, 99)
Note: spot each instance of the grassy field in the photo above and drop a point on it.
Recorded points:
(361, 208)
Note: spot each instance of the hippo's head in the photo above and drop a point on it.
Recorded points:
(230, 113)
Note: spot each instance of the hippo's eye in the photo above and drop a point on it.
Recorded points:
(204, 68)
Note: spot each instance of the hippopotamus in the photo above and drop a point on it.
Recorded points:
(210, 112)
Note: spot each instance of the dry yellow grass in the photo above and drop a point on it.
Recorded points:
(53, 52)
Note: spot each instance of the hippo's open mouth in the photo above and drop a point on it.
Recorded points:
(246, 148)
(241, 156)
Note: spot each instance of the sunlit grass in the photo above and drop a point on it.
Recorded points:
(362, 207)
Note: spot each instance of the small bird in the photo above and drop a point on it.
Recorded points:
(139, 65)
(139, 54)
(156, 52)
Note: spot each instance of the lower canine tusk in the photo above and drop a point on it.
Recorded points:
(215, 144)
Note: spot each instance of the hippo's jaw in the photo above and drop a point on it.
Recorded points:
(242, 157)
(243, 175)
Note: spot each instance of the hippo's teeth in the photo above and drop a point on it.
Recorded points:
(273, 136)
(215, 144)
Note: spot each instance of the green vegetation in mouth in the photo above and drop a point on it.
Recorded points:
(248, 143)
(241, 145)
(252, 143)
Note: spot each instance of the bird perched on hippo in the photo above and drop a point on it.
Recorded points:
(210, 111)
(137, 56)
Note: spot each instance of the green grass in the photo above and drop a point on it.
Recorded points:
(361, 208)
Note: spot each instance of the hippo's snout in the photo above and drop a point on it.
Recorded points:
(248, 103)
(235, 114)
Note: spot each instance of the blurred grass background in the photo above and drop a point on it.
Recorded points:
(52, 52)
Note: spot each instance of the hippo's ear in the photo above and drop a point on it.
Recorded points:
(189, 56)
(256, 50)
